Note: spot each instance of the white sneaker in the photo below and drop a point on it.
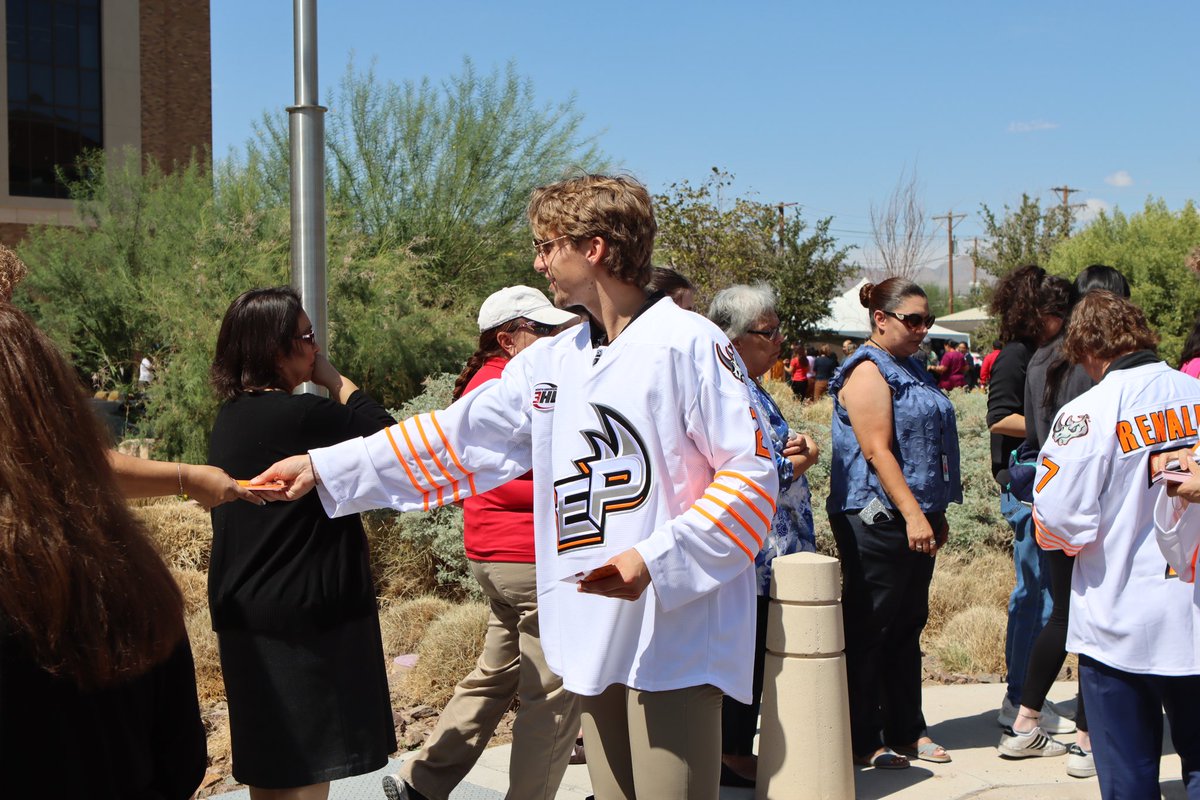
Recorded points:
(1029, 745)
(1050, 721)
(1080, 763)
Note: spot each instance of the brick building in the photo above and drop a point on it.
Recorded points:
(83, 74)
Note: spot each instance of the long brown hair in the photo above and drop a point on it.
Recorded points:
(82, 586)
(489, 348)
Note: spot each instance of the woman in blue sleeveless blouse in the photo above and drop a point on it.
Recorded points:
(894, 471)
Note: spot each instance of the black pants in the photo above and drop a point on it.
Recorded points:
(739, 721)
(885, 604)
(1049, 651)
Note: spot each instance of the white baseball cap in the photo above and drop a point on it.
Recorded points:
(520, 301)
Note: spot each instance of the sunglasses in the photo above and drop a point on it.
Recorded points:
(542, 247)
(914, 322)
(538, 328)
(769, 333)
(309, 337)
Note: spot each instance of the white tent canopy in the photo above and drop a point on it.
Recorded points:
(965, 321)
(847, 317)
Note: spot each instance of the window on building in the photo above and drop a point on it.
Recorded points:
(54, 92)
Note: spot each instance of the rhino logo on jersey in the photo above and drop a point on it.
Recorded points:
(1067, 428)
(729, 360)
(614, 477)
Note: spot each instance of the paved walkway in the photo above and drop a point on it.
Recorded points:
(963, 718)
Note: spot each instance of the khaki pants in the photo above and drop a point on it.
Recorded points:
(654, 745)
(512, 665)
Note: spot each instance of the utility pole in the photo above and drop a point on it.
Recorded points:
(306, 128)
(782, 221)
(974, 262)
(951, 218)
(1066, 192)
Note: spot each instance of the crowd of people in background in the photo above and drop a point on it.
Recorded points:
(620, 602)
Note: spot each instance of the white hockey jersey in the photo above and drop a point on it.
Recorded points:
(1093, 499)
(1177, 527)
(651, 444)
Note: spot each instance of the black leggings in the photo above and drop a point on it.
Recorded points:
(1049, 651)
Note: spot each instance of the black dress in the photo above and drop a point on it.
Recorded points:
(293, 604)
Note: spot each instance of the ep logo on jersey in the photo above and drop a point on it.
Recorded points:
(614, 477)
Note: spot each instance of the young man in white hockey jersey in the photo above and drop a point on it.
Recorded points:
(1133, 622)
(647, 464)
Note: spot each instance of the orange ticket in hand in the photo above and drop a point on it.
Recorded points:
(589, 575)
(274, 486)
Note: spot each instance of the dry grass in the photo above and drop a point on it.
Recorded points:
(448, 652)
(405, 622)
(182, 530)
(194, 585)
(210, 686)
(972, 641)
(401, 568)
(964, 580)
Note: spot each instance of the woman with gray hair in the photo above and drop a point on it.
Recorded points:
(748, 317)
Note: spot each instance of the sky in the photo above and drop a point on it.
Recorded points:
(824, 104)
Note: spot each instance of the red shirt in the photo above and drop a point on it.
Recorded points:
(498, 525)
(799, 367)
(985, 371)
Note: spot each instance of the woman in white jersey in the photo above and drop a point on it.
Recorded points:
(1133, 622)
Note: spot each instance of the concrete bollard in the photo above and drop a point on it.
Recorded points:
(804, 741)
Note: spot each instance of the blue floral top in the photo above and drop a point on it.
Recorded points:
(792, 528)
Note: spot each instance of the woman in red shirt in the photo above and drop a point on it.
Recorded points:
(798, 367)
(498, 538)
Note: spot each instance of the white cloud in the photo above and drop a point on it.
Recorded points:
(1031, 126)
(1119, 178)
(1091, 210)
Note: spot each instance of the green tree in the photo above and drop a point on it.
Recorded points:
(718, 243)
(444, 170)
(1150, 248)
(1024, 235)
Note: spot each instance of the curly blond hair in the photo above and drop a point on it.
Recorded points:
(12, 271)
(615, 208)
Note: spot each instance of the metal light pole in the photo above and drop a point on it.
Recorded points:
(306, 125)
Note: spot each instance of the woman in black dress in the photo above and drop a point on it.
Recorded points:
(289, 588)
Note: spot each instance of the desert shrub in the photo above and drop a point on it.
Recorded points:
(182, 530)
(210, 685)
(972, 641)
(963, 579)
(448, 651)
(419, 553)
(194, 585)
(404, 622)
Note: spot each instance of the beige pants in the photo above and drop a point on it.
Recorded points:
(654, 745)
(512, 665)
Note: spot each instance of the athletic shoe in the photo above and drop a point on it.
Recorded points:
(1050, 721)
(396, 789)
(1080, 763)
(1029, 745)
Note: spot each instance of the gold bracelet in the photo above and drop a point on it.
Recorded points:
(183, 495)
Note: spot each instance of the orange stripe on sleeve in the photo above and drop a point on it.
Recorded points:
(728, 532)
(436, 460)
(722, 487)
(762, 492)
(753, 534)
(453, 455)
(403, 463)
(1045, 535)
(416, 457)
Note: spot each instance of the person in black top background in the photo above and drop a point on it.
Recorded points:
(290, 589)
(95, 667)
(1031, 306)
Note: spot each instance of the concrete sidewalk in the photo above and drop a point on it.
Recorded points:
(962, 718)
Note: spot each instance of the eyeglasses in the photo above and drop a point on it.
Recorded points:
(309, 337)
(769, 333)
(914, 322)
(538, 328)
(541, 247)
